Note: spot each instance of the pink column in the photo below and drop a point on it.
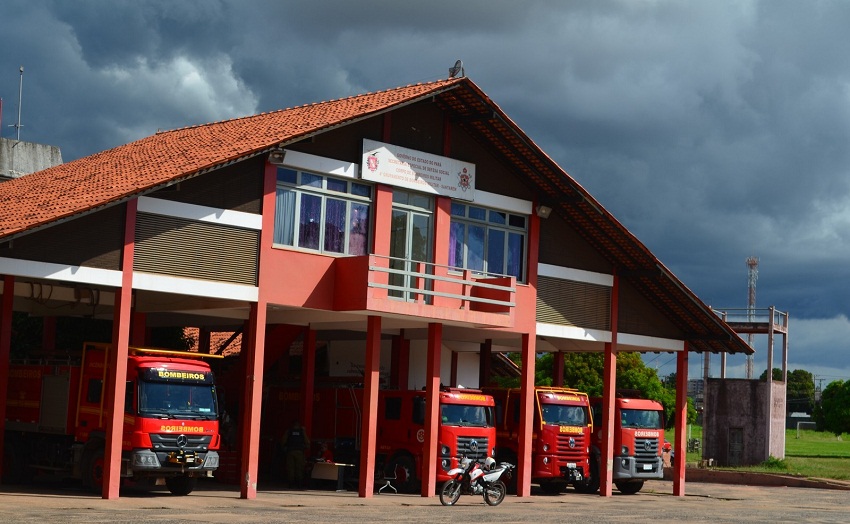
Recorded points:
(369, 420)
(252, 399)
(681, 422)
(609, 385)
(432, 413)
(526, 415)
(117, 358)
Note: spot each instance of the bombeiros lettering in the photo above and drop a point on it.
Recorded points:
(185, 375)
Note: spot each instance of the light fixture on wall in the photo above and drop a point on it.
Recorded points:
(277, 157)
(543, 211)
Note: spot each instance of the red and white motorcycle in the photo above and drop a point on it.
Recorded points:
(473, 478)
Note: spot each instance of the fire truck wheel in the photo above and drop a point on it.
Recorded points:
(552, 487)
(404, 468)
(93, 465)
(629, 488)
(181, 485)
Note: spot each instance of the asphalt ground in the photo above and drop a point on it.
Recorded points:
(213, 502)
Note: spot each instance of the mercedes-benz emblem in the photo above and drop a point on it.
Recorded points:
(572, 442)
(182, 440)
(473, 445)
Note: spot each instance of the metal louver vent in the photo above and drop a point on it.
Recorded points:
(185, 248)
(571, 303)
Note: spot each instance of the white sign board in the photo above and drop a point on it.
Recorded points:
(416, 170)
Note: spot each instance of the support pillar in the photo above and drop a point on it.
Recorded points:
(6, 303)
(252, 399)
(115, 389)
(609, 389)
(369, 421)
(432, 409)
(681, 415)
(526, 415)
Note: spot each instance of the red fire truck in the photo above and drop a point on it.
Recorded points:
(638, 442)
(56, 416)
(561, 435)
(466, 428)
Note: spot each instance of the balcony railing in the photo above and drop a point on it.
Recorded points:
(753, 316)
(435, 284)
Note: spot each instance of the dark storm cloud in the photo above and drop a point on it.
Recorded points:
(714, 130)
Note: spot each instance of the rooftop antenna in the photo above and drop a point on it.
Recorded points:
(455, 69)
(752, 276)
(18, 125)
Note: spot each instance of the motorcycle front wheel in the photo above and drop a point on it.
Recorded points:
(494, 493)
(450, 492)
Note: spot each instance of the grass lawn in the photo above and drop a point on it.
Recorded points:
(814, 454)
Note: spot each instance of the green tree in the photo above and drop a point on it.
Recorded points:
(835, 407)
(800, 389)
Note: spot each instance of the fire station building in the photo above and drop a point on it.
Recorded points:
(418, 228)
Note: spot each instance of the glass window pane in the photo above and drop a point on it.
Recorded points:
(422, 201)
(309, 179)
(335, 220)
(458, 210)
(420, 245)
(517, 221)
(358, 235)
(284, 217)
(400, 197)
(475, 248)
(361, 189)
(308, 226)
(497, 217)
(496, 251)
(337, 185)
(456, 238)
(478, 213)
(288, 176)
(516, 255)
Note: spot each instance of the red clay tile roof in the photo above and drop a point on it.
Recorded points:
(36, 200)
(39, 199)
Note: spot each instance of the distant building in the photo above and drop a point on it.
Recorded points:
(19, 158)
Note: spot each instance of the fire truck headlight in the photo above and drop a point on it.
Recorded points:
(444, 450)
(545, 460)
(625, 450)
(625, 463)
(545, 447)
(446, 464)
(144, 458)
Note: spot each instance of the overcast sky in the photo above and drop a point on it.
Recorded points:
(713, 130)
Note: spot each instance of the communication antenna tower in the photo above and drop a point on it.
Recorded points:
(752, 276)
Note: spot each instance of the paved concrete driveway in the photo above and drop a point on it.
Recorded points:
(213, 503)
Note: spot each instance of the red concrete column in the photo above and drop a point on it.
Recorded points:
(308, 379)
(252, 399)
(558, 369)
(526, 415)
(6, 303)
(432, 412)
(609, 386)
(681, 415)
(369, 421)
(114, 392)
(440, 247)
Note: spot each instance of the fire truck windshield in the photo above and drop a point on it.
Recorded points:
(180, 401)
(466, 415)
(564, 415)
(640, 418)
